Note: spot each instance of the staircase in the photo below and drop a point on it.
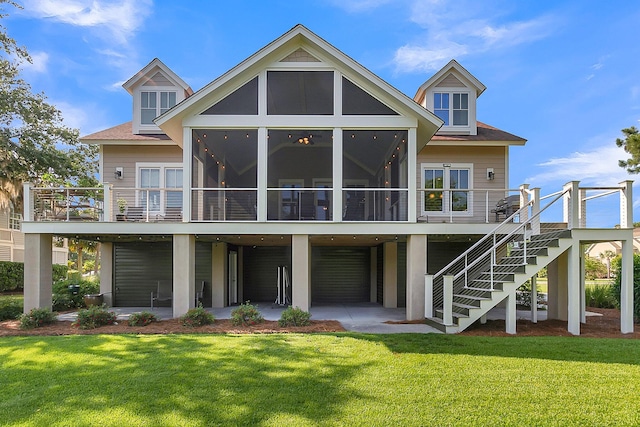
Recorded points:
(484, 285)
(493, 268)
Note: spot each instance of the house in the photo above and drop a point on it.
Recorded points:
(301, 163)
(12, 239)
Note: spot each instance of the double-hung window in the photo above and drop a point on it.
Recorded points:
(153, 104)
(160, 187)
(446, 188)
(452, 108)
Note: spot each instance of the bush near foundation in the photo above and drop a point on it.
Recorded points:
(36, 318)
(246, 315)
(94, 317)
(143, 318)
(616, 272)
(197, 317)
(294, 317)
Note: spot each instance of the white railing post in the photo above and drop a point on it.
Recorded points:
(107, 210)
(535, 210)
(571, 204)
(582, 213)
(428, 296)
(447, 300)
(27, 199)
(524, 199)
(626, 204)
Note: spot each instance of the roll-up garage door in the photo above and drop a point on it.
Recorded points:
(340, 275)
(137, 269)
(260, 271)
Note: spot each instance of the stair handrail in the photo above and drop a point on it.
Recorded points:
(495, 244)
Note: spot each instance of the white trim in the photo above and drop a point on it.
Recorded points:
(162, 184)
(471, 128)
(446, 176)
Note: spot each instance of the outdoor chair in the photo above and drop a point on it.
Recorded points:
(172, 214)
(506, 206)
(135, 213)
(164, 292)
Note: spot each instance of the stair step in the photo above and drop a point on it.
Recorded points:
(465, 306)
(471, 288)
(455, 315)
(471, 297)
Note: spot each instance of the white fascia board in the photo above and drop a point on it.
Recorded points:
(130, 84)
(453, 64)
(477, 143)
(299, 36)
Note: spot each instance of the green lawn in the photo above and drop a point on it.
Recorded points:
(330, 379)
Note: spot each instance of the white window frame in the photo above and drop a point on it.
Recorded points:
(471, 126)
(446, 199)
(162, 185)
(137, 106)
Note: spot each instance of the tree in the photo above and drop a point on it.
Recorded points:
(630, 144)
(594, 269)
(35, 145)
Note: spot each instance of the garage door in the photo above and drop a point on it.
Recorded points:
(137, 269)
(340, 275)
(260, 271)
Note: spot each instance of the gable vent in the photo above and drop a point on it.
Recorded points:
(300, 55)
(158, 80)
(450, 81)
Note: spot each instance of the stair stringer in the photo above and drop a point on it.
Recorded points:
(509, 288)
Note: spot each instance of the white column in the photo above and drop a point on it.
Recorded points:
(27, 200)
(412, 159)
(447, 299)
(416, 270)
(510, 314)
(107, 201)
(428, 296)
(583, 302)
(390, 275)
(535, 209)
(106, 272)
(38, 271)
(626, 287)
(263, 154)
(573, 291)
(337, 174)
(187, 155)
(300, 271)
(219, 274)
(184, 273)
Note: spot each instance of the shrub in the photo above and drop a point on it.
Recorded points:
(94, 317)
(37, 317)
(523, 296)
(11, 308)
(143, 318)
(63, 300)
(197, 317)
(600, 296)
(294, 317)
(616, 272)
(246, 315)
(12, 275)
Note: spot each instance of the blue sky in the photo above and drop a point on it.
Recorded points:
(565, 75)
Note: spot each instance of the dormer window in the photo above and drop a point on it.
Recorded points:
(454, 113)
(150, 108)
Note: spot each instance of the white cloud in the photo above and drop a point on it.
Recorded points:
(38, 64)
(355, 6)
(120, 19)
(454, 30)
(81, 117)
(598, 168)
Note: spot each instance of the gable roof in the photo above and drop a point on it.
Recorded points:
(453, 65)
(123, 134)
(296, 38)
(486, 134)
(149, 71)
